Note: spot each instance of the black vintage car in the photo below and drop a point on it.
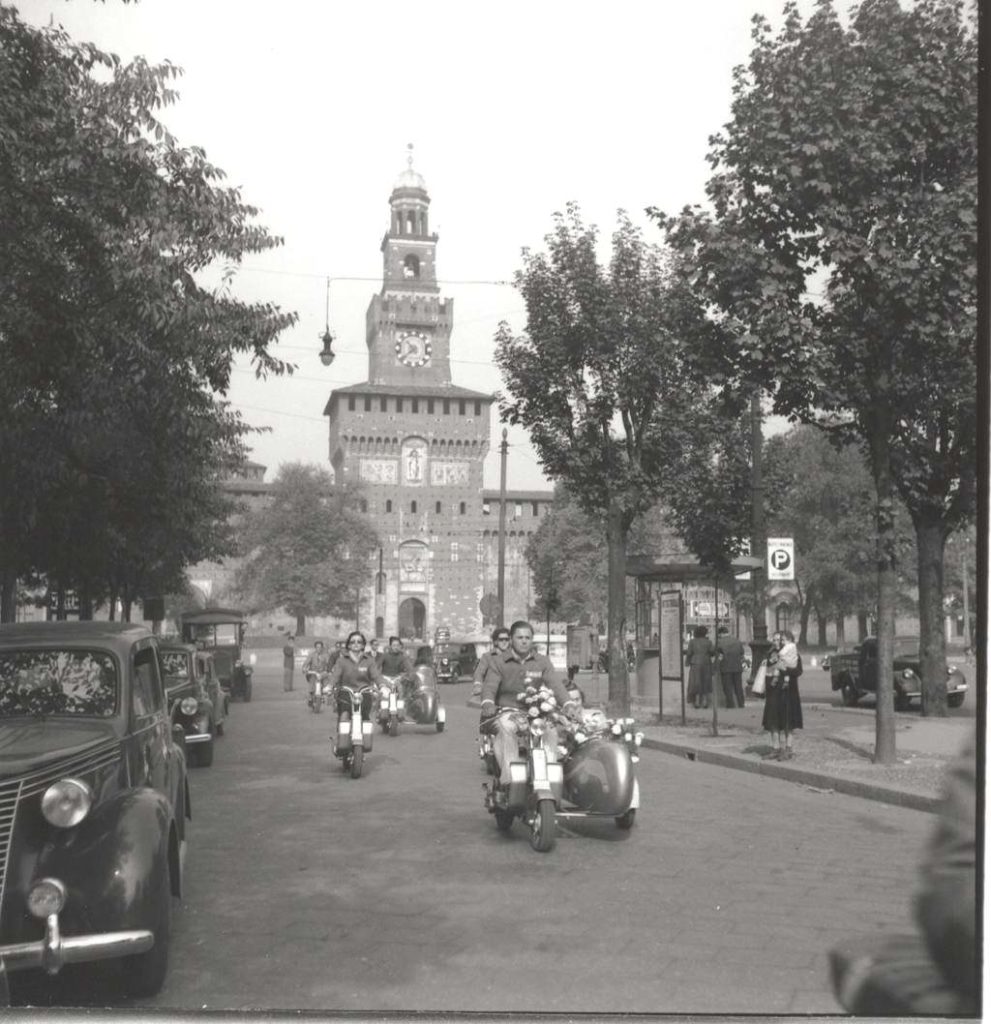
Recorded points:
(198, 712)
(220, 631)
(94, 801)
(853, 671)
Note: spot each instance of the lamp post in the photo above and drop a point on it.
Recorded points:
(326, 354)
(759, 645)
(501, 580)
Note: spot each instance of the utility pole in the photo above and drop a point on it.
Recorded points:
(501, 586)
(758, 540)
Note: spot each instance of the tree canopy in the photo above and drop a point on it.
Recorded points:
(114, 348)
(840, 251)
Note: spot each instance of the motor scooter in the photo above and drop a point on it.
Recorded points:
(354, 730)
(595, 778)
(392, 705)
(319, 691)
(536, 783)
(423, 703)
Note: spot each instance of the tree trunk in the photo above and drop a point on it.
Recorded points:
(300, 625)
(880, 430)
(803, 629)
(820, 629)
(8, 596)
(619, 680)
(931, 541)
(862, 629)
(840, 630)
(85, 602)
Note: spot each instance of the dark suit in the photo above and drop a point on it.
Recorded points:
(731, 654)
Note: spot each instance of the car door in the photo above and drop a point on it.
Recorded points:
(152, 758)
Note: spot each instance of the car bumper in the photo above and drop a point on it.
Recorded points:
(55, 950)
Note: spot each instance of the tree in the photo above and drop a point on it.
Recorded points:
(604, 380)
(824, 501)
(106, 330)
(849, 166)
(308, 549)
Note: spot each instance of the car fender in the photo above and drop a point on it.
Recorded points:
(110, 862)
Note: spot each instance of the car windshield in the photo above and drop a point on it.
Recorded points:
(57, 682)
(175, 664)
(907, 647)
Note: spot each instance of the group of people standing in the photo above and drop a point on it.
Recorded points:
(705, 660)
(726, 660)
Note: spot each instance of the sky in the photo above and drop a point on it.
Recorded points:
(514, 109)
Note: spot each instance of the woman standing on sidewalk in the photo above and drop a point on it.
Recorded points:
(782, 704)
(699, 659)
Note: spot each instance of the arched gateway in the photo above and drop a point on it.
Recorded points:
(412, 618)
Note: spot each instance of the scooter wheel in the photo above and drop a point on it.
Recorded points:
(357, 757)
(317, 706)
(626, 821)
(393, 726)
(503, 819)
(543, 828)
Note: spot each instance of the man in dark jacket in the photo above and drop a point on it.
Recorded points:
(730, 654)
(511, 674)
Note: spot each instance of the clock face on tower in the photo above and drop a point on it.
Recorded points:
(413, 348)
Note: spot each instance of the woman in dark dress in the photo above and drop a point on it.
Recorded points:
(698, 657)
(782, 703)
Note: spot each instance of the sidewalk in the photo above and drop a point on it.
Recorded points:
(833, 752)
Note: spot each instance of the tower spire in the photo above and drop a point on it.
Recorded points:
(409, 157)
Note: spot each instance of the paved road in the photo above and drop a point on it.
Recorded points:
(306, 889)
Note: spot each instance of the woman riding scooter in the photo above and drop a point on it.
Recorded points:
(355, 669)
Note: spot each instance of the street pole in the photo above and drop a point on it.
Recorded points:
(758, 540)
(968, 639)
(501, 586)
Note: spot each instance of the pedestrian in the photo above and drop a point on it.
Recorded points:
(730, 655)
(288, 662)
(782, 704)
(698, 658)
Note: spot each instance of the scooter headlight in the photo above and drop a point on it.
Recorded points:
(616, 728)
(65, 803)
(188, 705)
(47, 897)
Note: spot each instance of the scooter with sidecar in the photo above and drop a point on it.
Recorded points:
(595, 778)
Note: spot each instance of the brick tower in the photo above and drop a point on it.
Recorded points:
(415, 441)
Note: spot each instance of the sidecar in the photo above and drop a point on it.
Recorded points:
(423, 705)
(600, 775)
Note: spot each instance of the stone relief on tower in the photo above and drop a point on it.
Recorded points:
(379, 471)
(413, 558)
(448, 473)
(414, 461)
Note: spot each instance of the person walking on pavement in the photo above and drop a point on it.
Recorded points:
(782, 704)
(500, 645)
(698, 658)
(288, 663)
(730, 655)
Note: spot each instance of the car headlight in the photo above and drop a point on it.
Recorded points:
(65, 803)
(189, 705)
(47, 897)
(907, 673)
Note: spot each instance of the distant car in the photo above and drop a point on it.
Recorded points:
(94, 800)
(853, 671)
(221, 632)
(191, 705)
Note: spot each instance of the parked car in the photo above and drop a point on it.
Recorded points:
(221, 632)
(191, 706)
(853, 671)
(94, 801)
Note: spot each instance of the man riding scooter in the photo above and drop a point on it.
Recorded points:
(317, 661)
(395, 663)
(510, 674)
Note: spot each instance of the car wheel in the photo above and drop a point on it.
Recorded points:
(850, 696)
(902, 703)
(145, 973)
(954, 700)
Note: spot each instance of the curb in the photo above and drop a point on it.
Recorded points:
(800, 776)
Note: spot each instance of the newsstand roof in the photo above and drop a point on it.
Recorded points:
(682, 568)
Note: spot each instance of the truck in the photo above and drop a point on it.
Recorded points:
(853, 671)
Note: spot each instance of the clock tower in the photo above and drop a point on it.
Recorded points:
(408, 324)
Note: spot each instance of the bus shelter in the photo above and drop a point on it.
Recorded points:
(660, 619)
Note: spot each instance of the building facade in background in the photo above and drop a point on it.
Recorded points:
(416, 443)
